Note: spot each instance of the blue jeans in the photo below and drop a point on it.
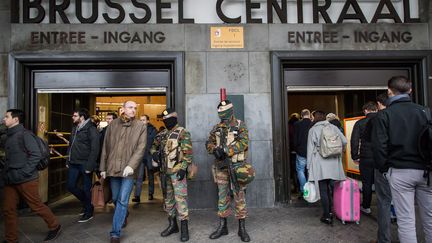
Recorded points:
(121, 190)
(76, 171)
(300, 168)
(141, 178)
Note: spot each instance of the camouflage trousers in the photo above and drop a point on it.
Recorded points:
(224, 210)
(176, 197)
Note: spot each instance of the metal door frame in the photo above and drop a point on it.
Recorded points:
(22, 66)
(419, 60)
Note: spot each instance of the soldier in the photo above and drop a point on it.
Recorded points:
(172, 150)
(228, 142)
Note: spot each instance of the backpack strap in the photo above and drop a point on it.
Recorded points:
(426, 173)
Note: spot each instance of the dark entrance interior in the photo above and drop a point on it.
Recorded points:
(50, 85)
(343, 103)
(338, 82)
(60, 107)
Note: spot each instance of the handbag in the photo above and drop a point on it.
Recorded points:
(106, 189)
(98, 198)
(309, 192)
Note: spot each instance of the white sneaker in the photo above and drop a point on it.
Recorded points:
(365, 210)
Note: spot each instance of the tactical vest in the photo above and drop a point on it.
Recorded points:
(231, 138)
(173, 153)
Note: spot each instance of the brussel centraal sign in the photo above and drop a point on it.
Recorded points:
(142, 11)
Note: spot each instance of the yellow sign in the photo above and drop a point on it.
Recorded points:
(227, 37)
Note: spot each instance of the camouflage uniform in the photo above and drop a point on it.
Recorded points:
(176, 190)
(237, 152)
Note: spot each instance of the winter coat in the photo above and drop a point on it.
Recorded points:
(151, 134)
(22, 157)
(395, 132)
(323, 168)
(361, 147)
(124, 145)
(84, 146)
(301, 130)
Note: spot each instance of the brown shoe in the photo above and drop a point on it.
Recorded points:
(373, 241)
(115, 240)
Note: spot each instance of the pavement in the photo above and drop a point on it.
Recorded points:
(298, 222)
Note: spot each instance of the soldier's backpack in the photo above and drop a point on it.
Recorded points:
(43, 148)
(330, 142)
(425, 140)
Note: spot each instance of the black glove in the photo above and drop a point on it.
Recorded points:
(155, 157)
(181, 174)
(219, 153)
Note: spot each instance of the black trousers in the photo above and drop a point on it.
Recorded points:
(367, 177)
(326, 192)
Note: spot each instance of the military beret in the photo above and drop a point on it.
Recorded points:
(225, 105)
(169, 112)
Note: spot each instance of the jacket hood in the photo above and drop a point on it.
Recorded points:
(321, 123)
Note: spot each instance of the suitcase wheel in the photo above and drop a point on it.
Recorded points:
(357, 222)
(343, 222)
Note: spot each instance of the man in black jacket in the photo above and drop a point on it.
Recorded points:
(21, 177)
(361, 154)
(395, 133)
(83, 152)
(146, 164)
(301, 130)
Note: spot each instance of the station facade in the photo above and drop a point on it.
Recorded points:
(273, 57)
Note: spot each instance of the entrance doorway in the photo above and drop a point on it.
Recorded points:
(58, 125)
(298, 77)
(344, 103)
(76, 79)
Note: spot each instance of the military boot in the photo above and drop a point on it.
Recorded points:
(172, 227)
(221, 230)
(184, 231)
(242, 231)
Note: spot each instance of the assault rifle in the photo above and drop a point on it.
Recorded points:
(228, 161)
(162, 166)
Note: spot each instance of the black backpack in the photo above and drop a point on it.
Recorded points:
(43, 147)
(425, 142)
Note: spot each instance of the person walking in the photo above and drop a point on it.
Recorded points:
(361, 154)
(21, 178)
(122, 152)
(395, 135)
(301, 130)
(146, 164)
(83, 152)
(323, 171)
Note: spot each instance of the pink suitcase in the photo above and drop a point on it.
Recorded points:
(346, 201)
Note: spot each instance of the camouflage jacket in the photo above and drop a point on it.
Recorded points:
(185, 144)
(241, 139)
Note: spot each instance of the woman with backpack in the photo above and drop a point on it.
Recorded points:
(324, 150)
